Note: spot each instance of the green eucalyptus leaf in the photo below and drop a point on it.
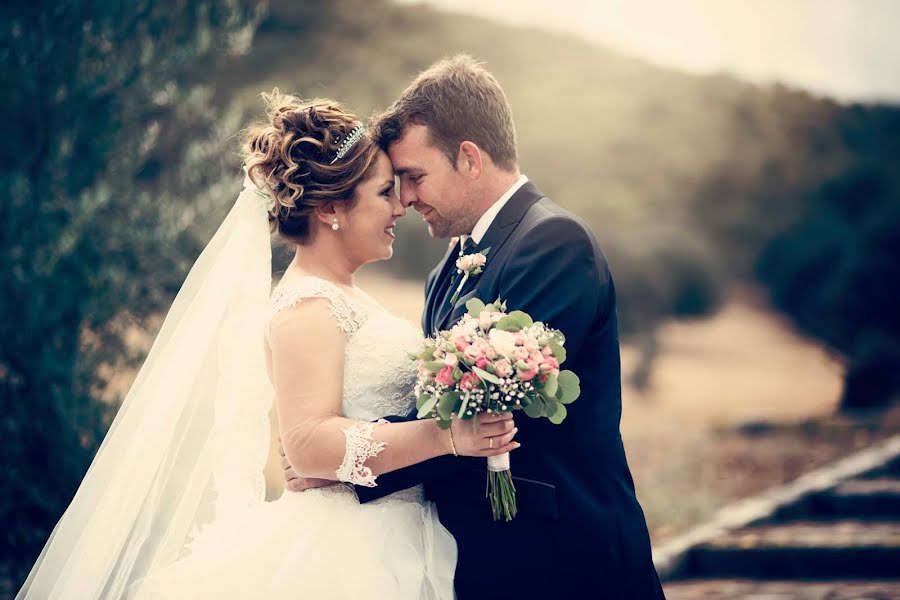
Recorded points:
(523, 318)
(559, 353)
(535, 408)
(509, 323)
(559, 415)
(551, 385)
(461, 413)
(486, 376)
(550, 406)
(569, 387)
(427, 407)
(475, 306)
(447, 405)
(421, 400)
(434, 365)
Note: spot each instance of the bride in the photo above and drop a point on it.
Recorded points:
(172, 506)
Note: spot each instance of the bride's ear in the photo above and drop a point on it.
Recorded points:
(327, 214)
(469, 159)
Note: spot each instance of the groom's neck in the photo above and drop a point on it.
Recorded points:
(496, 183)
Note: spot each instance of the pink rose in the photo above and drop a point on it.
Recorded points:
(519, 353)
(450, 360)
(527, 375)
(461, 343)
(471, 262)
(549, 364)
(527, 371)
(502, 368)
(481, 362)
(445, 376)
(546, 351)
(469, 381)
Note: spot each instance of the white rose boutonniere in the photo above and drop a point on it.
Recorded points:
(469, 265)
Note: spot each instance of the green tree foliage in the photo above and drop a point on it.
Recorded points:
(837, 274)
(91, 246)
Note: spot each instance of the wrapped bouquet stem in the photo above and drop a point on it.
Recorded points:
(501, 490)
(495, 361)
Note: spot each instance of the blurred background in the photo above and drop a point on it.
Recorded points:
(738, 162)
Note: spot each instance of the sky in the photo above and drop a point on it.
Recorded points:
(846, 49)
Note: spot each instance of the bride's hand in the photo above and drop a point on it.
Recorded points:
(493, 437)
(294, 482)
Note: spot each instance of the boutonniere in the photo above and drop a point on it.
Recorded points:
(469, 265)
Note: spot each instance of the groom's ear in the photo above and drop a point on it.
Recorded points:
(469, 160)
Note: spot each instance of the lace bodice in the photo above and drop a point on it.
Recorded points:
(378, 374)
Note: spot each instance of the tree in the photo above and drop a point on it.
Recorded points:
(836, 274)
(89, 248)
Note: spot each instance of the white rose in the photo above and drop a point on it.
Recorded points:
(503, 342)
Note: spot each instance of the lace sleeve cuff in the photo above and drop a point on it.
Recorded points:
(360, 447)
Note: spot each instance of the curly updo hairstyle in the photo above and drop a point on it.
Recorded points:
(290, 157)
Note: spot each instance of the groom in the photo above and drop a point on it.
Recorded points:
(580, 532)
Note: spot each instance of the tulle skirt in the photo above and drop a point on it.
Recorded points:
(316, 544)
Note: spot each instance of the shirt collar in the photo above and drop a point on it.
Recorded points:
(490, 214)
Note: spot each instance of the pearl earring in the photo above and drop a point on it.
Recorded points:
(334, 224)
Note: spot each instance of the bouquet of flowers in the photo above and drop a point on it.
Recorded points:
(497, 362)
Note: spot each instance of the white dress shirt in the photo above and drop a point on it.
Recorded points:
(490, 214)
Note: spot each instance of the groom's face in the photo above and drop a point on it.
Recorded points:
(430, 184)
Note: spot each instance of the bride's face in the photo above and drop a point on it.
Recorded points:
(368, 228)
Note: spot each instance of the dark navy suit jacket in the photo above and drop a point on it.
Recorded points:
(580, 532)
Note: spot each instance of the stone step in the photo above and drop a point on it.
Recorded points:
(890, 469)
(874, 499)
(801, 549)
(727, 589)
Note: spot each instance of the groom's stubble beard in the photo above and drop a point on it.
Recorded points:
(459, 221)
(464, 215)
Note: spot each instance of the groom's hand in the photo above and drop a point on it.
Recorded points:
(292, 481)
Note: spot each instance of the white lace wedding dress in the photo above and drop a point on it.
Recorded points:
(323, 543)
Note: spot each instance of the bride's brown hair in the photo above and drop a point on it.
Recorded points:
(290, 157)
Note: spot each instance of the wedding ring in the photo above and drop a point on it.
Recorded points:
(491, 443)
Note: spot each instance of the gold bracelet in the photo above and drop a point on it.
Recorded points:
(452, 445)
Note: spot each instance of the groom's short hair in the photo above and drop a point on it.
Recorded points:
(458, 100)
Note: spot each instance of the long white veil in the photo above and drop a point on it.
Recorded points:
(190, 440)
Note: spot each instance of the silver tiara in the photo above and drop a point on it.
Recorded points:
(349, 142)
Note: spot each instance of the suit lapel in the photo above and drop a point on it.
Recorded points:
(501, 228)
(436, 294)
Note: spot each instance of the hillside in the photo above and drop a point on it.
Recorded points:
(683, 178)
